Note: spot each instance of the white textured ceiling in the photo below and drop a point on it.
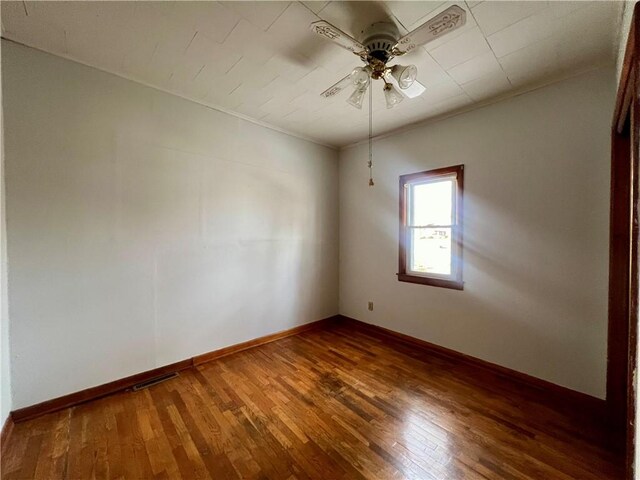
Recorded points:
(261, 60)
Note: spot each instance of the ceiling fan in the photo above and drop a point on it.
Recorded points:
(381, 43)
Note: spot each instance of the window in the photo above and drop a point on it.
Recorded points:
(430, 227)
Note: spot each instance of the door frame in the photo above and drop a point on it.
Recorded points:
(623, 252)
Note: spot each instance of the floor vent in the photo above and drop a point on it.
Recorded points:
(154, 381)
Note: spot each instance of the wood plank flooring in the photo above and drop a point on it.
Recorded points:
(335, 403)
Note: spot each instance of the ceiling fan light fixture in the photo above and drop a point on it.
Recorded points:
(404, 75)
(392, 95)
(357, 97)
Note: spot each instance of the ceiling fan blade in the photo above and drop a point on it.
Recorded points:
(337, 36)
(337, 87)
(446, 21)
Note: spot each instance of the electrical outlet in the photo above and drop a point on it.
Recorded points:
(371, 306)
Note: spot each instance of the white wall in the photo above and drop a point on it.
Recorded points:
(536, 203)
(5, 378)
(623, 34)
(144, 229)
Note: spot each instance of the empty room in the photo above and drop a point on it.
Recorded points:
(320, 240)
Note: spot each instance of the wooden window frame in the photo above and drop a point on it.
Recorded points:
(456, 283)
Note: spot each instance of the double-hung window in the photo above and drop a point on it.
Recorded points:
(430, 227)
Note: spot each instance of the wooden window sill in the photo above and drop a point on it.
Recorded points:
(435, 282)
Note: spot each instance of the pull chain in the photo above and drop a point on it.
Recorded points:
(370, 136)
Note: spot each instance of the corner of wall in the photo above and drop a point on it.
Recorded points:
(5, 372)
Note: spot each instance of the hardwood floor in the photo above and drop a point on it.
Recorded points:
(335, 403)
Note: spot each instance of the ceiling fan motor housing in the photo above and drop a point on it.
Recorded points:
(379, 38)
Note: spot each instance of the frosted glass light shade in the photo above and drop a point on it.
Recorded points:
(357, 97)
(405, 76)
(360, 77)
(392, 95)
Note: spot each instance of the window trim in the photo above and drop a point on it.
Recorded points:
(456, 283)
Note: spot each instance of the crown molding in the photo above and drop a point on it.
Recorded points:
(485, 103)
(217, 108)
(386, 134)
